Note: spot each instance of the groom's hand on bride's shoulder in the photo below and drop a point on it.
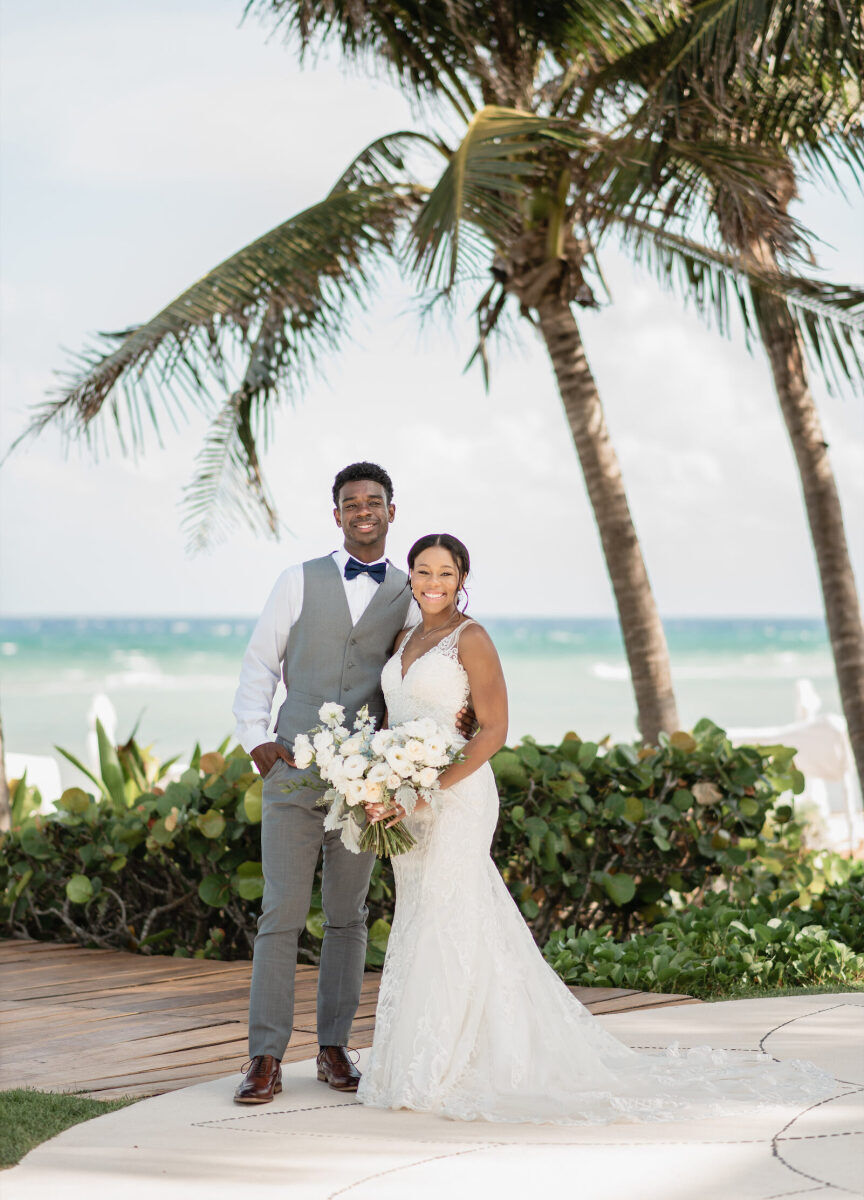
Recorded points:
(466, 722)
(268, 754)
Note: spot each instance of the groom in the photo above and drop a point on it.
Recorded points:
(327, 628)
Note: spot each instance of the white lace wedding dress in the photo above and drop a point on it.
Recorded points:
(472, 1022)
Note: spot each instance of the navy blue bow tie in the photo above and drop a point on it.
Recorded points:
(353, 568)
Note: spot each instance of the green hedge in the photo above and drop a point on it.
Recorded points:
(722, 948)
(589, 835)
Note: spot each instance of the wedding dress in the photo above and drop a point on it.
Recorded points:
(472, 1022)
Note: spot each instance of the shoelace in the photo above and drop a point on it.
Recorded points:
(348, 1050)
(248, 1064)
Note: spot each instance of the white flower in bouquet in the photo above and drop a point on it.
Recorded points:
(323, 740)
(332, 714)
(354, 766)
(399, 761)
(363, 719)
(351, 745)
(428, 777)
(379, 773)
(415, 749)
(393, 781)
(434, 750)
(355, 791)
(375, 791)
(382, 740)
(324, 758)
(303, 752)
(334, 773)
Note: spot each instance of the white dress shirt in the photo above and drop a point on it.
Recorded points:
(261, 671)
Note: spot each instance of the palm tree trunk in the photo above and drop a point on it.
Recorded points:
(644, 639)
(782, 342)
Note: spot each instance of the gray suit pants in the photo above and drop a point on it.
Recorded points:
(292, 836)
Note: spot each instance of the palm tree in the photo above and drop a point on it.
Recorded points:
(519, 190)
(807, 120)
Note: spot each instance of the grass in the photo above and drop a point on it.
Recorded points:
(28, 1117)
(763, 993)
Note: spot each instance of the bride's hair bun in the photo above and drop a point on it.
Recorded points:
(447, 541)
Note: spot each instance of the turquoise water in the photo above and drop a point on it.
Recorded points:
(177, 676)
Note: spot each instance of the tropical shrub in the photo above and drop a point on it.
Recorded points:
(722, 948)
(589, 837)
(588, 834)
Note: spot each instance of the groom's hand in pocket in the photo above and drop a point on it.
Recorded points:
(268, 754)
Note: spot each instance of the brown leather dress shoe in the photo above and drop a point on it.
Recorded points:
(263, 1080)
(337, 1069)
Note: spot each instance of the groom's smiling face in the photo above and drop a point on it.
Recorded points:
(364, 515)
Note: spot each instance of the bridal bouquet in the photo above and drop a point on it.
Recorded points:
(362, 766)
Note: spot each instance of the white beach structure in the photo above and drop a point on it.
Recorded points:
(831, 800)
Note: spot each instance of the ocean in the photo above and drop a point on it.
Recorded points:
(175, 677)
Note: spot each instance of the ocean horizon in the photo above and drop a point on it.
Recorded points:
(174, 677)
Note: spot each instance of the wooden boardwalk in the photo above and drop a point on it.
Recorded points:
(111, 1024)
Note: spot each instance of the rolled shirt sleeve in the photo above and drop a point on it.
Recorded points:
(261, 669)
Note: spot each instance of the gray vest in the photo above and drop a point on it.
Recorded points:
(328, 658)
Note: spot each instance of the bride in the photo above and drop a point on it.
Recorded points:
(472, 1022)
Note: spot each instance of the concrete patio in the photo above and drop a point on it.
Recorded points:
(313, 1144)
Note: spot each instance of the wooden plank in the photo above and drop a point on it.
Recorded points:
(111, 1023)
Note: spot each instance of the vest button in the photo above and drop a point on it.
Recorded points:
(347, 687)
(350, 665)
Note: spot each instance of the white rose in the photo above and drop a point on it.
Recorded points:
(355, 791)
(324, 759)
(378, 773)
(335, 774)
(303, 752)
(382, 740)
(331, 714)
(393, 781)
(354, 766)
(415, 749)
(399, 761)
(374, 791)
(428, 777)
(323, 740)
(351, 745)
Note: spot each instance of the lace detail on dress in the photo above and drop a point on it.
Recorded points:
(435, 684)
(472, 1022)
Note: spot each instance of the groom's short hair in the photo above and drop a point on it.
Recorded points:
(362, 470)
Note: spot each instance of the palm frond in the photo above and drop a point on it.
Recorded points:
(415, 39)
(284, 301)
(228, 487)
(829, 316)
(314, 263)
(478, 201)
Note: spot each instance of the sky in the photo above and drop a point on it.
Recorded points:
(144, 143)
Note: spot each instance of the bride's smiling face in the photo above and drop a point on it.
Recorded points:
(435, 581)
